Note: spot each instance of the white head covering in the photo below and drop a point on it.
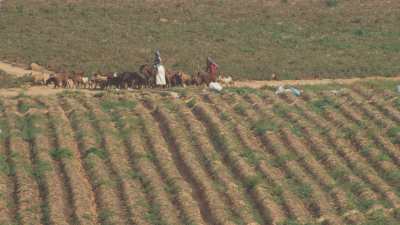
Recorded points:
(157, 59)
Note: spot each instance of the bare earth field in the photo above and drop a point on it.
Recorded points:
(243, 156)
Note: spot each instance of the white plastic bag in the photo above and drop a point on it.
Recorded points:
(295, 91)
(398, 88)
(282, 89)
(215, 86)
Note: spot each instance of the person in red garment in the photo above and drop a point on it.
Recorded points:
(212, 68)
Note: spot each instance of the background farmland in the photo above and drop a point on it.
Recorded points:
(248, 38)
(244, 156)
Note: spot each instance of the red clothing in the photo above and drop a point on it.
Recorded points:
(212, 68)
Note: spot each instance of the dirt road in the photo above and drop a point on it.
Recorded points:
(39, 90)
(259, 84)
(16, 71)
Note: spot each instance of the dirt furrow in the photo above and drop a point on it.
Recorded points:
(332, 172)
(358, 140)
(80, 192)
(369, 148)
(362, 164)
(125, 122)
(60, 210)
(172, 167)
(93, 155)
(163, 208)
(354, 161)
(323, 135)
(306, 137)
(279, 146)
(218, 171)
(8, 181)
(257, 155)
(27, 191)
(226, 144)
(26, 123)
(382, 124)
(120, 161)
(213, 210)
(116, 160)
(388, 110)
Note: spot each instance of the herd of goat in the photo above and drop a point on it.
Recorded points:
(144, 78)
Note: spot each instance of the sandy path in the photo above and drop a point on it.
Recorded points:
(41, 90)
(16, 71)
(259, 84)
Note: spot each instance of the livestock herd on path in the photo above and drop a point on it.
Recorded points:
(144, 78)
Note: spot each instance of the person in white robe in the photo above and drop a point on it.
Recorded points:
(160, 70)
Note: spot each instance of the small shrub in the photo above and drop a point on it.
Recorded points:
(98, 95)
(70, 93)
(170, 105)
(110, 105)
(26, 125)
(383, 157)
(87, 216)
(276, 193)
(105, 216)
(360, 32)
(252, 182)
(290, 222)
(61, 153)
(280, 110)
(150, 156)
(242, 90)
(347, 133)
(297, 130)
(240, 109)
(191, 103)
(224, 116)
(280, 160)
(394, 176)
(303, 191)
(171, 187)
(4, 167)
(365, 151)
(381, 85)
(23, 107)
(262, 126)
(394, 134)
(153, 215)
(10, 81)
(320, 105)
(250, 156)
(41, 168)
(331, 3)
(397, 103)
(96, 152)
(357, 187)
(135, 175)
(378, 217)
(338, 173)
(396, 213)
(365, 204)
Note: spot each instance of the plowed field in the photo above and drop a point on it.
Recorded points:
(241, 157)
